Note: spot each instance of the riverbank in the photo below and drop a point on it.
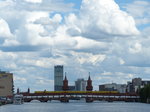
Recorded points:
(2, 103)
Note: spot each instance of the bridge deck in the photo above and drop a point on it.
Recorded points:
(88, 96)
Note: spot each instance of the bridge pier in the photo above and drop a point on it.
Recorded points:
(64, 99)
(89, 100)
(110, 100)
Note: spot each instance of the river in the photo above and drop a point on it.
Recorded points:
(77, 107)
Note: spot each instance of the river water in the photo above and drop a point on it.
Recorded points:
(77, 107)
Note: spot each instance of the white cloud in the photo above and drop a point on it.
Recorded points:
(140, 11)
(100, 19)
(34, 1)
(121, 61)
(44, 81)
(106, 73)
(4, 29)
(20, 79)
(89, 39)
(138, 8)
(136, 48)
(130, 76)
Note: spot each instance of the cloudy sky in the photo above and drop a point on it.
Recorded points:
(109, 38)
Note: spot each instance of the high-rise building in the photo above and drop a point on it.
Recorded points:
(58, 77)
(80, 85)
(137, 81)
(6, 84)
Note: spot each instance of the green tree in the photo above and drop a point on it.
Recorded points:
(145, 93)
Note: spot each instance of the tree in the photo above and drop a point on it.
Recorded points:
(145, 93)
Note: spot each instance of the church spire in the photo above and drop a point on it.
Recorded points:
(89, 77)
(89, 86)
(65, 76)
(65, 83)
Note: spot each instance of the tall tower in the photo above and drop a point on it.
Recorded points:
(89, 86)
(65, 84)
(58, 77)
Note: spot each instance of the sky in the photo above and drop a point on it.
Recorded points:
(108, 38)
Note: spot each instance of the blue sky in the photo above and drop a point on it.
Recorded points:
(108, 38)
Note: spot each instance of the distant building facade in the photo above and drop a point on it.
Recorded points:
(80, 85)
(6, 84)
(113, 87)
(130, 87)
(145, 82)
(136, 84)
(58, 77)
(72, 88)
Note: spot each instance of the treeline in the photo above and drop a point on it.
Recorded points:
(145, 94)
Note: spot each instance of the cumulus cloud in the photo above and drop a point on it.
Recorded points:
(44, 33)
(140, 11)
(21, 79)
(136, 48)
(34, 1)
(101, 19)
(4, 29)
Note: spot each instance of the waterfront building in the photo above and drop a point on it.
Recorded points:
(58, 77)
(121, 88)
(80, 85)
(6, 84)
(136, 84)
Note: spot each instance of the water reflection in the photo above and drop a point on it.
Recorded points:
(36, 106)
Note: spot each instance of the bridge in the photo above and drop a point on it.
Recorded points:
(88, 96)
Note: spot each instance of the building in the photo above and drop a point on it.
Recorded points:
(108, 87)
(6, 84)
(144, 82)
(80, 85)
(65, 84)
(137, 82)
(130, 87)
(58, 77)
(71, 88)
(121, 88)
(89, 86)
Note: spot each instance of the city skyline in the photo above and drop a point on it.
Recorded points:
(108, 38)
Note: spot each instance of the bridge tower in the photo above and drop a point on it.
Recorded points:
(89, 86)
(18, 91)
(65, 84)
(28, 90)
